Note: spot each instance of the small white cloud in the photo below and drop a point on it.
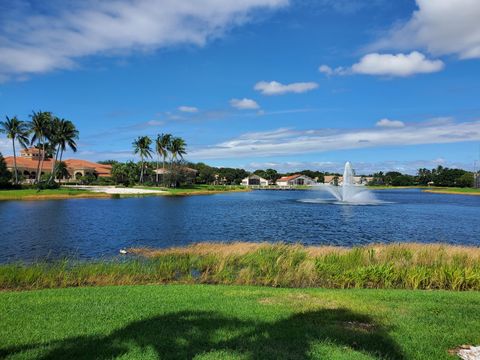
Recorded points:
(388, 65)
(325, 69)
(387, 123)
(154, 123)
(244, 104)
(396, 65)
(188, 109)
(276, 88)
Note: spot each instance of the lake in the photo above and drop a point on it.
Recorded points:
(97, 228)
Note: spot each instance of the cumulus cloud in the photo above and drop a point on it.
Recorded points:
(441, 27)
(45, 38)
(244, 104)
(390, 123)
(188, 109)
(388, 65)
(276, 88)
(287, 142)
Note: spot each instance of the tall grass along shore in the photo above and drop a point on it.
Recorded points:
(395, 266)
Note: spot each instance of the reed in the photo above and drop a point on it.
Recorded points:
(394, 266)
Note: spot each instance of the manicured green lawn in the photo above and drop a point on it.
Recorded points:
(199, 189)
(40, 194)
(235, 322)
(454, 190)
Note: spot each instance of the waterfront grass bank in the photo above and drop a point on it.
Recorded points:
(198, 189)
(235, 322)
(48, 194)
(84, 193)
(454, 191)
(395, 266)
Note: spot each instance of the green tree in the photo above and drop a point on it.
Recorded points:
(63, 135)
(466, 180)
(61, 170)
(177, 148)
(16, 130)
(141, 146)
(5, 175)
(162, 146)
(40, 126)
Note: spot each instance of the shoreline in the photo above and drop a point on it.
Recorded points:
(97, 192)
(443, 191)
(412, 266)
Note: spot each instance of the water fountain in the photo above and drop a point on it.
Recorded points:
(347, 192)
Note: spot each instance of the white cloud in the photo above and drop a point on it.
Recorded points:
(396, 65)
(287, 142)
(244, 104)
(276, 88)
(388, 65)
(188, 109)
(441, 27)
(327, 70)
(390, 123)
(57, 38)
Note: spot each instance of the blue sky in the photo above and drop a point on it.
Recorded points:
(258, 83)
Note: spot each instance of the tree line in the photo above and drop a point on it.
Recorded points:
(48, 133)
(439, 176)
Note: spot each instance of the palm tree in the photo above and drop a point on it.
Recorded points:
(177, 148)
(16, 130)
(142, 147)
(162, 145)
(63, 135)
(40, 127)
(61, 170)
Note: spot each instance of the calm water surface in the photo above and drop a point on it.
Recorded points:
(94, 228)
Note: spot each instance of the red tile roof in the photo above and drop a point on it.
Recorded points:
(73, 164)
(288, 178)
(25, 162)
(100, 169)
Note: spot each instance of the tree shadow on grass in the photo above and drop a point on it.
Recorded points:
(187, 334)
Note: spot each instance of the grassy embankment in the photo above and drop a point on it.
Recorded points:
(199, 189)
(430, 189)
(66, 193)
(396, 266)
(454, 190)
(235, 322)
(34, 194)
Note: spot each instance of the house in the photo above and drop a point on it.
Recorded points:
(332, 179)
(254, 180)
(29, 159)
(338, 180)
(293, 180)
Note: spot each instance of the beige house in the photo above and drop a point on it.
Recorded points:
(28, 163)
(254, 180)
(338, 180)
(295, 180)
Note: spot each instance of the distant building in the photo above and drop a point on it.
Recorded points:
(338, 180)
(28, 162)
(332, 179)
(297, 179)
(476, 180)
(254, 180)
